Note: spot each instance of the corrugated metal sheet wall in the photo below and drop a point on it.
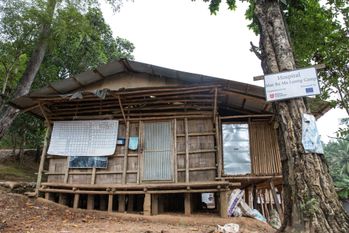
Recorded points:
(158, 139)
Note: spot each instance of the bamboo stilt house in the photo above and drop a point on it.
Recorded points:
(177, 136)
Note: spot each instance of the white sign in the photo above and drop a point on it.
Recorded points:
(291, 84)
(84, 138)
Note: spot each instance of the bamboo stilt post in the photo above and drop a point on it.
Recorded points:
(215, 105)
(42, 159)
(223, 203)
(139, 152)
(270, 200)
(124, 173)
(219, 154)
(254, 196)
(154, 204)
(76, 200)
(261, 203)
(110, 203)
(265, 204)
(175, 150)
(90, 201)
(186, 151)
(147, 204)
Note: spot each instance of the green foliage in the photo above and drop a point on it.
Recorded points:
(310, 206)
(320, 35)
(337, 156)
(80, 40)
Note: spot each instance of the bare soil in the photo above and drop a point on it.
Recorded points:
(21, 214)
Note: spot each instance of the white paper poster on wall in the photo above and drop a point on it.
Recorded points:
(84, 138)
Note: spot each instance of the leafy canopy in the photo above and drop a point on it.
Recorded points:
(80, 40)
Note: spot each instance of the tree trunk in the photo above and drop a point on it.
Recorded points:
(311, 203)
(9, 113)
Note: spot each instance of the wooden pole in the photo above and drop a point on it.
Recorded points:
(186, 150)
(223, 203)
(175, 159)
(218, 149)
(121, 108)
(130, 203)
(90, 202)
(124, 173)
(154, 204)
(121, 199)
(93, 176)
(254, 196)
(42, 159)
(76, 200)
(147, 204)
(110, 203)
(215, 106)
(276, 200)
(187, 204)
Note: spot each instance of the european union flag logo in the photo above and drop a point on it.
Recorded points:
(309, 90)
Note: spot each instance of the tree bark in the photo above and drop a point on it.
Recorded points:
(311, 203)
(9, 113)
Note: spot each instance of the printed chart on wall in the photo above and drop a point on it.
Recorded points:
(84, 138)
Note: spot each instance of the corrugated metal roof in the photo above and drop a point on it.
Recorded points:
(77, 82)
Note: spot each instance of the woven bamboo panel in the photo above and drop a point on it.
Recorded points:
(265, 153)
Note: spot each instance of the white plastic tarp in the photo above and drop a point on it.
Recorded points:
(310, 136)
(236, 149)
(84, 138)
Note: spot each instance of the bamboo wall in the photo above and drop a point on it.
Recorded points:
(265, 155)
(194, 157)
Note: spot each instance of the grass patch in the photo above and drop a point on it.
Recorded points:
(12, 172)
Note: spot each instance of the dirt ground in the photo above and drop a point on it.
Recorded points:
(20, 214)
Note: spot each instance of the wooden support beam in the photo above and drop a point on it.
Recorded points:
(215, 105)
(122, 202)
(130, 203)
(254, 196)
(154, 204)
(76, 200)
(261, 203)
(175, 165)
(186, 150)
(42, 159)
(49, 196)
(66, 173)
(147, 204)
(103, 202)
(276, 200)
(127, 137)
(62, 199)
(30, 108)
(223, 203)
(246, 116)
(219, 154)
(265, 204)
(44, 113)
(187, 204)
(140, 151)
(93, 176)
(110, 202)
(121, 108)
(90, 201)
(247, 195)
